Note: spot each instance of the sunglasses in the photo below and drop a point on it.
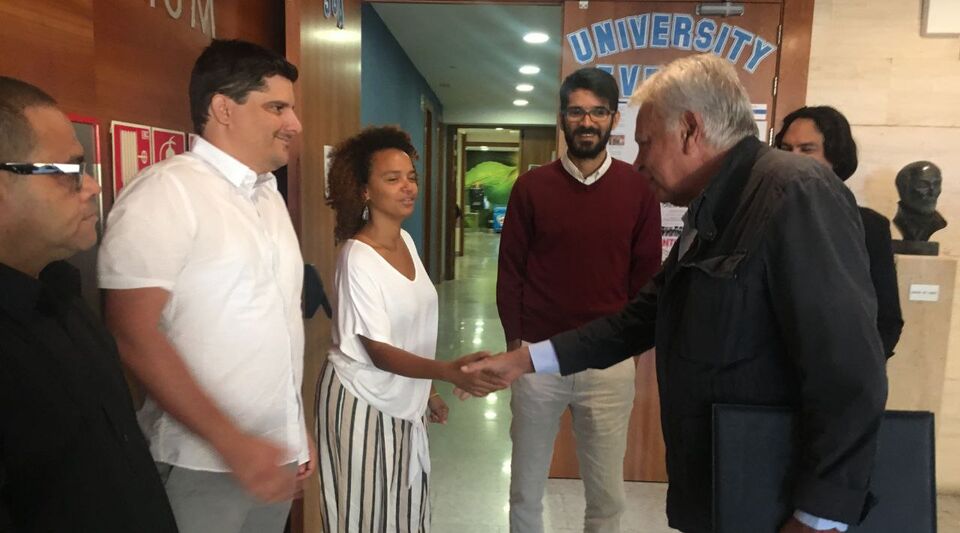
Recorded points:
(73, 170)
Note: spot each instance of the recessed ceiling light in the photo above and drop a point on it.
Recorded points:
(529, 69)
(524, 87)
(520, 102)
(536, 37)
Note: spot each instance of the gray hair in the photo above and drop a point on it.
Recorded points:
(704, 84)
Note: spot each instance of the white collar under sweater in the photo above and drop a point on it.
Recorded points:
(575, 172)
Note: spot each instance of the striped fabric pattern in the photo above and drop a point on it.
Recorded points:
(363, 457)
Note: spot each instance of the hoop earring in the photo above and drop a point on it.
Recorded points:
(365, 214)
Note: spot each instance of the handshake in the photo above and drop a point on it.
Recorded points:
(479, 374)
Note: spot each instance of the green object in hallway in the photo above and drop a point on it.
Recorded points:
(496, 178)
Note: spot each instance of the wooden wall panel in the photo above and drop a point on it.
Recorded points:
(537, 146)
(122, 60)
(50, 43)
(794, 58)
(328, 103)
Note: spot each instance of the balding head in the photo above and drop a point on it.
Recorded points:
(17, 137)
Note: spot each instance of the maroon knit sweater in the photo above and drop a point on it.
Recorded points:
(571, 252)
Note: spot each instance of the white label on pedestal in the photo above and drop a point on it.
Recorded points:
(924, 293)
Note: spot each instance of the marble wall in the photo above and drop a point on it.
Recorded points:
(901, 92)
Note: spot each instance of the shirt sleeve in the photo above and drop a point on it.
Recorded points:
(883, 271)
(823, 300)
(646, 252)
(544, 358)
(820, 524)
(149, 235)
(511, 267)
(361, 308)
(6, 522)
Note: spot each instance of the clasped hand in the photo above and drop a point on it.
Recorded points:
(499, 371)
(475, 382)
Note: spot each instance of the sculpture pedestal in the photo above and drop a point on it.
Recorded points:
(916, 247)
(917, 371)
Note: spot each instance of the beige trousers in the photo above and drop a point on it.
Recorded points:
(600, 402)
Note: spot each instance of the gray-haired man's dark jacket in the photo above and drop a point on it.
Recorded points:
(772, 304)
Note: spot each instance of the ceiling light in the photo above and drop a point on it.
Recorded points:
(524, 87)
(498, 129)
(520, 102)
(536, 37)
(484, 148)
(529, 69)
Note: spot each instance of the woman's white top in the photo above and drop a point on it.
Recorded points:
(376, 301)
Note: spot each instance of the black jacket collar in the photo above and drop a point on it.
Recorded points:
(714, 207)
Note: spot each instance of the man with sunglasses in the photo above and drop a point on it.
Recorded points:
(581, 237)
(72, 457)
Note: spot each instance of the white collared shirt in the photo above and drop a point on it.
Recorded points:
(575, 172)
(218, 237)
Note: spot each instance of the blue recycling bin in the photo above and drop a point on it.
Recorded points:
(499, 212)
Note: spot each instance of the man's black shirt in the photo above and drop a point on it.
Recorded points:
(72, 457)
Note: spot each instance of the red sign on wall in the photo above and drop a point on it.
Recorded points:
(132, 151)
(167, 143)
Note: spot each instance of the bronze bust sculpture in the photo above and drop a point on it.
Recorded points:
(919, 185)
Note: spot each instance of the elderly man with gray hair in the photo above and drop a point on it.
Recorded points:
(765, 300)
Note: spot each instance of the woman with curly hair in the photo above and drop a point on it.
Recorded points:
(823, 133)
(376, 389)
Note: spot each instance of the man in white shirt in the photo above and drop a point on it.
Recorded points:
(203, 276)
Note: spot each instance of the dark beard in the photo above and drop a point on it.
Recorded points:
(586, 153)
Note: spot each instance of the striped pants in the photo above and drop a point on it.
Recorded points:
(363, 456)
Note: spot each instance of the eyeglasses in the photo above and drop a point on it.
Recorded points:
(596, 113)
(76, 171)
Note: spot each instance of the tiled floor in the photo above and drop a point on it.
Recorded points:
(471, 454)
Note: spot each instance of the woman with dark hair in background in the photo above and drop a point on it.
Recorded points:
(823, 133)
(376, 387)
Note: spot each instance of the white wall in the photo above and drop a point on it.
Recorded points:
(901, 93)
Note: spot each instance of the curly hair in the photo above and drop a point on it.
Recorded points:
(839, 148)
(350, 172)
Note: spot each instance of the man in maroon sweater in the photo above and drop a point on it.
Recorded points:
(581, 237)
